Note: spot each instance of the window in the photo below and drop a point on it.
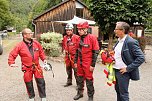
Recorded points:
(79, 12)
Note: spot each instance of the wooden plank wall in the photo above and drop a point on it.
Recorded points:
(63, 12)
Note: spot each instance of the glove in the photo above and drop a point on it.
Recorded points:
(13, 65)
(47, 67)
(45, 62)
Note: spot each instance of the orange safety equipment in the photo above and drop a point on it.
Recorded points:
(107, 57)
(83, 24)
(69, 45)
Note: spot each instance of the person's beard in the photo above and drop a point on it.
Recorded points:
(70, 35)
(29, 39)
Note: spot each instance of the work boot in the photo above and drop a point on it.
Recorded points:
(67, 84)
(76, 87)
(90, 89)
(32, 99)
(78, 96)
(43, 99)
(90, 99)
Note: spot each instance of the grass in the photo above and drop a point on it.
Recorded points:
(9, 44)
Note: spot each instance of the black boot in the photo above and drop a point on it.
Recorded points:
(90, 98)
(90, 89)
(69, 83)
(79, 95)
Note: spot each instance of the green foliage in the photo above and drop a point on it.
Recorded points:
(108, 12)
(142, 43)
(52, 3)
(11, 33)
(51, 43)
(20, 10)
(149, 23)
(38, 7)
(19, 13)
(6, 19)
(140, 11)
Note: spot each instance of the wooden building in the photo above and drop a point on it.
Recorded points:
(61, 12)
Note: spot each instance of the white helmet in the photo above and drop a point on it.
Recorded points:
(69, 26)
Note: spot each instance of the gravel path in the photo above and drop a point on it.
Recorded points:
(13, 89)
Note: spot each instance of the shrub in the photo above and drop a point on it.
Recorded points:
(10, 34)
(142, 42)
(51, 43)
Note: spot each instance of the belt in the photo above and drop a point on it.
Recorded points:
(116, 70)
(33, 65)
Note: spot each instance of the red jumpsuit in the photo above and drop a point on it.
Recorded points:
(69, 45)
(86, 56)
(30, 54)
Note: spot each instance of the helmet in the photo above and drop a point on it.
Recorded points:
(83, 24)
(107, 57)
(69, 26)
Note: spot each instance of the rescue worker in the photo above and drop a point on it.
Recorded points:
(69, 45)
(85, 59)
(30, 51)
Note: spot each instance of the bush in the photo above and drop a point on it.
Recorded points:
(10, 34)
(51, 43)
(142, 42)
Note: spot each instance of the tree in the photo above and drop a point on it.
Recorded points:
(20, 10)
(6, 19)
(52, 3)
(107, 12)
(39, 7)
(149, 23)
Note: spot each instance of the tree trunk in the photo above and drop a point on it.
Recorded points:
(110, 43)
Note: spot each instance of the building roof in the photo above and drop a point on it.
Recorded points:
(58, 6)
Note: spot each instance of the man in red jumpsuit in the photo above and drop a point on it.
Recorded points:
(30, 51)
(85, 59)
(69, 45)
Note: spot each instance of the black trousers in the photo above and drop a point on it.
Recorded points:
(41, 88)
(69, 74)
